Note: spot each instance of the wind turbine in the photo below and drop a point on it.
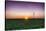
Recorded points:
(33, 14)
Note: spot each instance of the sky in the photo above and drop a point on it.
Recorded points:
(17, 9)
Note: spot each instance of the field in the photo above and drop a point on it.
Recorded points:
(17, 24)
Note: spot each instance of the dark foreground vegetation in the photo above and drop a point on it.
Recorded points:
(16, 24)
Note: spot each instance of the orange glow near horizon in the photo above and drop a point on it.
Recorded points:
(26, 18)
(25, 15)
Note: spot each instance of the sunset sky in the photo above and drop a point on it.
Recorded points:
(24, 9)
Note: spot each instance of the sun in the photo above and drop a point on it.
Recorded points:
(26, 18)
